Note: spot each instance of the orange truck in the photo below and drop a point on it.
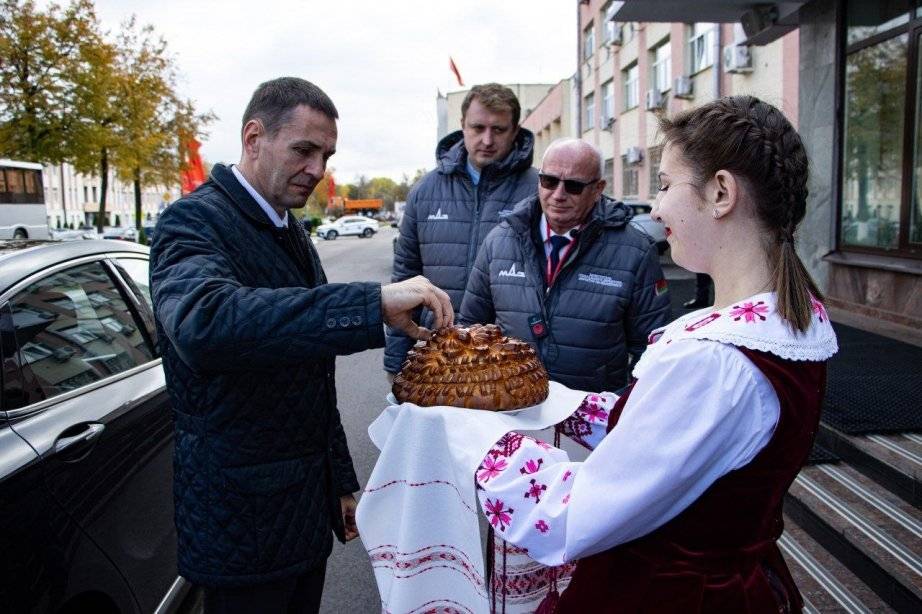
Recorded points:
(364, 204)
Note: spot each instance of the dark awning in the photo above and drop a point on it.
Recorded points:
(763, 22)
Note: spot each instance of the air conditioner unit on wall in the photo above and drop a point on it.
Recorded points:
(633, 155)
(684, 87)
(737, 59)
(655, 100)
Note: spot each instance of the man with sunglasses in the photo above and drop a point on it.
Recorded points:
(482, 171)
(567, 272)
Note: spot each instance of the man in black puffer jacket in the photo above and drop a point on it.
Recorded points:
(249, 331)
(483, 170)
(569, 273)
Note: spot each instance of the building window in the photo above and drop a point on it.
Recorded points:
(631, 86)
(879, 209)
(608, 103)
(630, 176)
(609, 176)
(653, 157)
(628, 30)
(662, 67)
(589, 105)
(700, 46)
(611, 27)
(588, 41)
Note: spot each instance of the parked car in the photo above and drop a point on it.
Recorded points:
(357, 225)
(128, 233)
(86, 437)
(645, 222)
(66, 234)
(149, 228)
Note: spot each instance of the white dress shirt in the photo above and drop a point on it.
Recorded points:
(279, 222)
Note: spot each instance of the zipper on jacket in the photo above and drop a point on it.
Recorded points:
(530, 257)
(475, 232)
(548, 300)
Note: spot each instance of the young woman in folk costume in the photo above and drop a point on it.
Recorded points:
(678, 507)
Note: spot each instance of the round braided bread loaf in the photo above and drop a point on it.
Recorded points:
(474, 367)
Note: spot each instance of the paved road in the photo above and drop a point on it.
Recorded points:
(361, 386)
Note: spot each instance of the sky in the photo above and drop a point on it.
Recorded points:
(382, 63)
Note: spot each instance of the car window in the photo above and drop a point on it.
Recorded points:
(136, 273)
(10, 374)
(73, 328)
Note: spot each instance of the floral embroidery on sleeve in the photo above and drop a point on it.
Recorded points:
(535, 490)
(544, 479)
(498, 514)
(531, 466)
(490, 468)
(587, 426)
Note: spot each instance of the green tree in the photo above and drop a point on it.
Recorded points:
(39, 53)
(384, 188)
(143, 124)
(97, 85)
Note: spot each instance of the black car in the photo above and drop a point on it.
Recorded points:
(86, 438)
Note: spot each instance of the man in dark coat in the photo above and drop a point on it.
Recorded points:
(569, 273)
(483, 170)
(249, 330)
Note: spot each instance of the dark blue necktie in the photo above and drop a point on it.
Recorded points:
(558, 242)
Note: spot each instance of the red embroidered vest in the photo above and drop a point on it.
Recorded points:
(719, 554)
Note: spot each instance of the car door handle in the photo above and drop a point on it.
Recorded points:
(88, 432)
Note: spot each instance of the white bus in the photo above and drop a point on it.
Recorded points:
(22, 201)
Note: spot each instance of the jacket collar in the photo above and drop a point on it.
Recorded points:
(225, 181)
(451, 156)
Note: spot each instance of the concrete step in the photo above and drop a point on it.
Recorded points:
(893, 461)
(825, 584)
(872, 532)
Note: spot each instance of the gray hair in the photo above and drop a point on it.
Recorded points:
(566, 142)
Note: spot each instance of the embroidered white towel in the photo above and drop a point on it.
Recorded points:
(418, 515)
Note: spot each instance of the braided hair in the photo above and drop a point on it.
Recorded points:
(753, 140)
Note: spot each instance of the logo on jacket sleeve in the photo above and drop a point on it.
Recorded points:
(438, 215)
(511, 272)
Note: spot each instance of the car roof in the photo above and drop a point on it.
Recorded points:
(19, 259)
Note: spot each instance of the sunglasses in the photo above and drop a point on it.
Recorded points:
(571, 186)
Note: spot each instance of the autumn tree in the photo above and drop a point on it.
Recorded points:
(98, 84)
(39, 52)
(143, 121)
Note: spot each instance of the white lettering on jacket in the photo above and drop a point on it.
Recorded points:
(601, 280)
(511, 272)
(438, 215)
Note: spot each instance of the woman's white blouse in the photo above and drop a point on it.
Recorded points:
(698, 410)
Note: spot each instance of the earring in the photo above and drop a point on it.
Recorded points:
(716, 214)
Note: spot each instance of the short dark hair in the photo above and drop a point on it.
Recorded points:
(273, 101)
(496, 97)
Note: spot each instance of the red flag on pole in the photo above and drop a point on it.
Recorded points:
(454, 69)
(331, 187)
(193, 172)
